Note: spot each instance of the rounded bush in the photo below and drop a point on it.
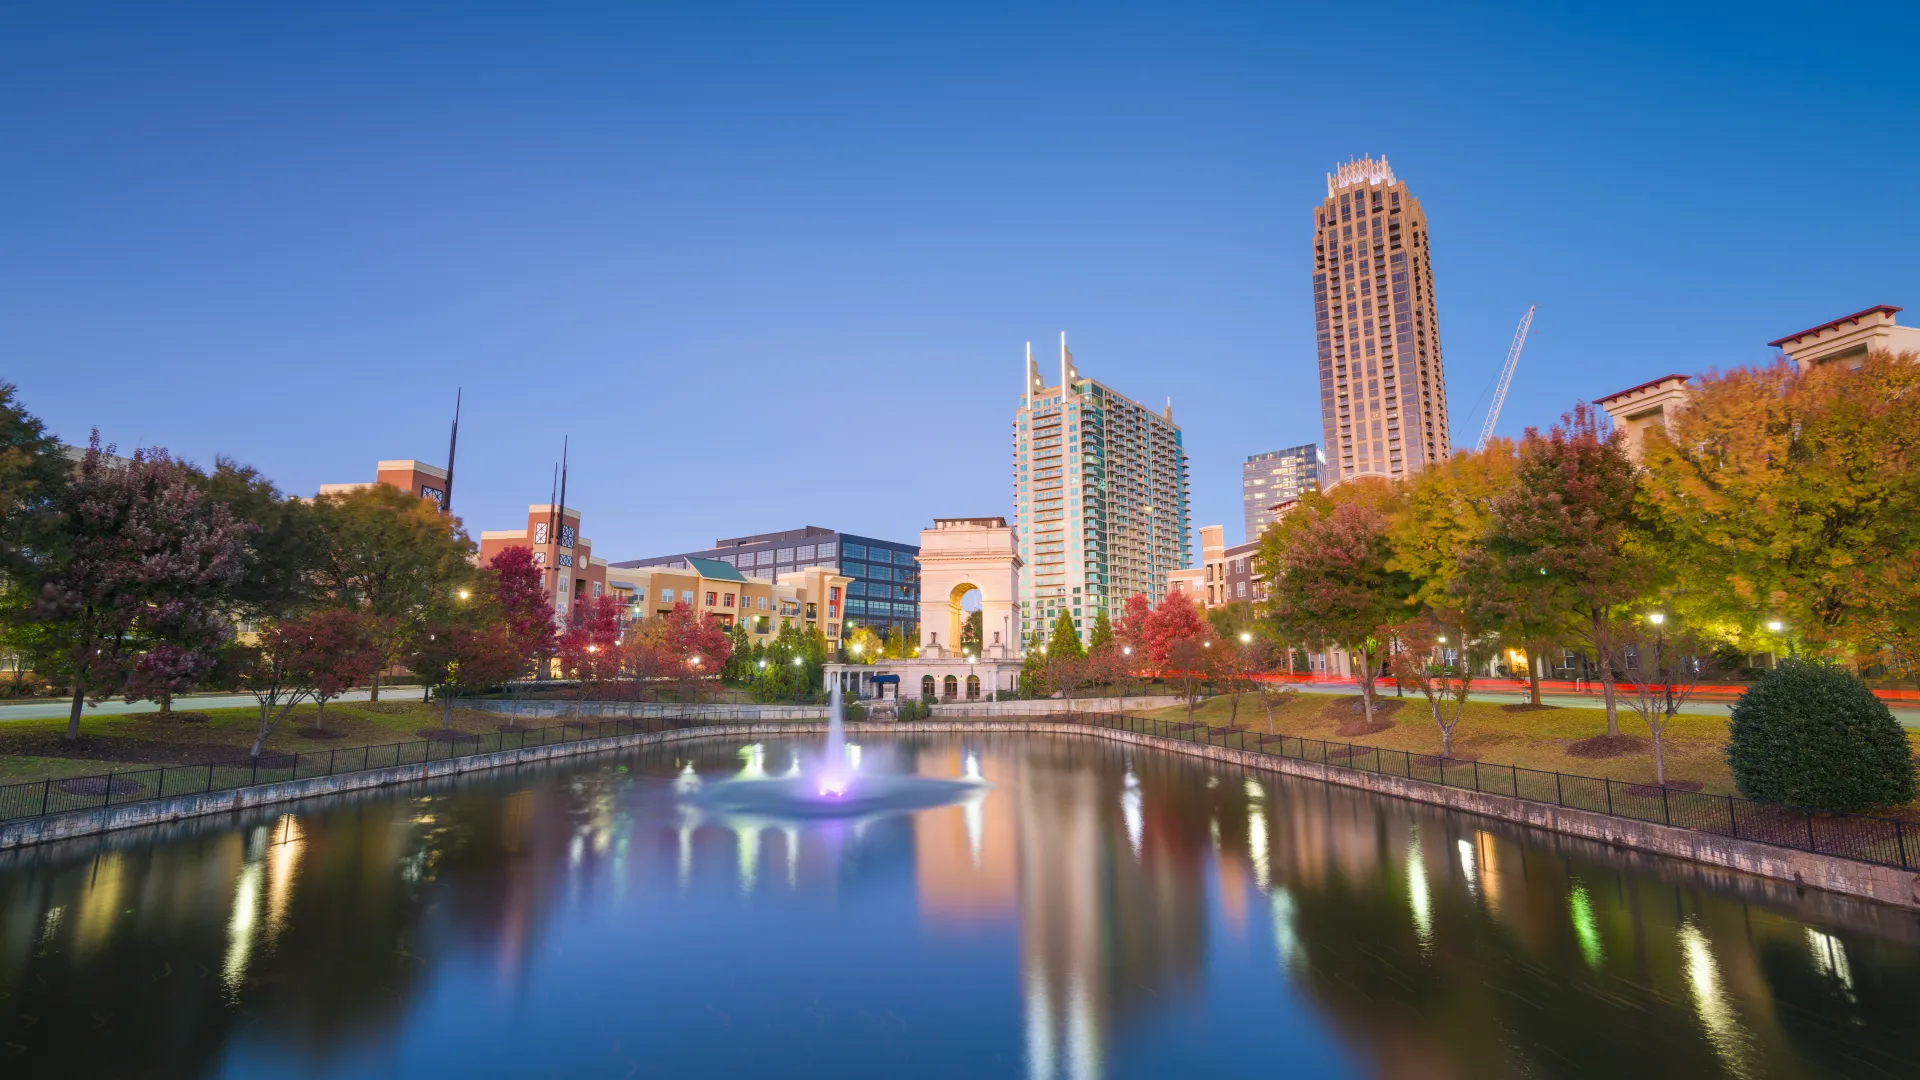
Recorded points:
(1811, 735)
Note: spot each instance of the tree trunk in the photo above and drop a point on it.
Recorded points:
(320, 715)
(1233, 716)
(1606, 673)
(373, 687)
(1365, 678)
(1533, 677)
(446, 709)
(73, 718)
(1659, 761)
(166, 704)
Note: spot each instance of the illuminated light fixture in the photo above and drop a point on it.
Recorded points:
(1246, 638)
(1775, 625)
(1656, 618)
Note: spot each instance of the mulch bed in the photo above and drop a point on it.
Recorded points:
(177, 717)
(98, 786)
(1609, 746)
(387, 708)
(1359, 728)
(1428, 761)
(1527, 706)
(1649, 791)
(321, 733)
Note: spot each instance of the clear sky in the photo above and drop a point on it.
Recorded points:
(770, 266)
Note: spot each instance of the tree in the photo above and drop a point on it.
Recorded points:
(1421, 662)
(1102, 635)
(461, 653)
(140, 559)
(897, 647)
(392, 555)
(1793, 496)
(285, 545)
(342, 655)
(589, 650)
(32, 473)
(1272, 693)
(1662, 665)
(972, 631)
(1329, 564)
(698, 648)
(1809, 734)
(1567, 533)
(281, 669)
(1132, 629)
(740, 654)
(517, 590)
(1033, 669)
(863, 646)
(1065, 642)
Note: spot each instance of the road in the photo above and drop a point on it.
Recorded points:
(50, 709)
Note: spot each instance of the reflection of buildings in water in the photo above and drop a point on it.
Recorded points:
(964, 865)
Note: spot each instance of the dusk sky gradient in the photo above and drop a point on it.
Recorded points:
(773, 266)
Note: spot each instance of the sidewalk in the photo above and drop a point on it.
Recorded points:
(59, 708)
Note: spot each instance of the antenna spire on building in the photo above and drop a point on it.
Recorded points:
(453, 444)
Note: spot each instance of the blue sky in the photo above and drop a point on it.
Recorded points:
(775, 265)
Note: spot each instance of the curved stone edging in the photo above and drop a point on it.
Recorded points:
(1885, 884)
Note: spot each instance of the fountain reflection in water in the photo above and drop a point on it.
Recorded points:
(835, 785)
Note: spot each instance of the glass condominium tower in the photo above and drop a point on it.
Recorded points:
(1100, 498)
(1383, 393)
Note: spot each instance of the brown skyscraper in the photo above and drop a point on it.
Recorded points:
(1383, 393)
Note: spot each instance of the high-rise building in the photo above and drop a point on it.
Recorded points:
(1100, 498)
(1274, 477)
(1383, 393)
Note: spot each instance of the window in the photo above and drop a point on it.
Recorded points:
(926, 686)
(597, 587)
(952, 687)
(804, 551)
(854, 551)
(728, 601)
(713, 599)
(785, 555)
(764, 558)
(763, 603)
(686, 595)
(825, 551)
(973, 688)
(639, 596)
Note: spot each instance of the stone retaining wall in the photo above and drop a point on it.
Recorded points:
(1884, 884)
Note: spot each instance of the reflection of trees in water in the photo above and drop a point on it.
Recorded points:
(1441, 948)
(304, 933)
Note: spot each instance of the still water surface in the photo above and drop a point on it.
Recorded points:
(1101, 912)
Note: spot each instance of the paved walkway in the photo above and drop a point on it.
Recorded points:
(51, 709)
(1484, 692)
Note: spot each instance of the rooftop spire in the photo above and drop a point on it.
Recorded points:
(1361, 170)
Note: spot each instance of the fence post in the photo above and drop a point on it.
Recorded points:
(330, 755)
(1666, 807)
(256, 772)
(1733, 823)
(46, 792)
(1516, 780)
(1812, 844)
(1900, 838)
(1559, 799)
(109, 801)
(1609, 782)
(1476, 774)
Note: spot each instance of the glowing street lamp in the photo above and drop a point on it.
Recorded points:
(463, 594)
(1246, 638)
(1776, 625)
(797, 661)
(763, 665)
(1126, 650)
(1656, 618)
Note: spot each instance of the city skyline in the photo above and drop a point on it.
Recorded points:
(679, 238)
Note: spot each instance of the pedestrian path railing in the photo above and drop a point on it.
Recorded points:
(1867, 838)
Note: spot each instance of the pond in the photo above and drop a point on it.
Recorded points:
(1102, 911)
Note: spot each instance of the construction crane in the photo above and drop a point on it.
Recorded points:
(1506, 378)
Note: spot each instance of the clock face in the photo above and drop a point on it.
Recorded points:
(540, 533)
(566, 536)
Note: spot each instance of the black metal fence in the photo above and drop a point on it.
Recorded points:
(135, 785)
(1866, 838)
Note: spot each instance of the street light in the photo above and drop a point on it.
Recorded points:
(1776, 625)
(1246, 638)
(463, 594)
(763, 665)
(1656, 618)
(798, 661)
(1126, 650)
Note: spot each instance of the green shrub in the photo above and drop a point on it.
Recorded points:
(1812, 735)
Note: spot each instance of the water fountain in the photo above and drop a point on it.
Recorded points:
(834, 785)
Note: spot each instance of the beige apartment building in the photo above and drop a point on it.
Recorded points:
(1383, 391)
(814, 597)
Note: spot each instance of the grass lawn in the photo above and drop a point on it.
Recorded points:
(35, 749)
(1544, 738)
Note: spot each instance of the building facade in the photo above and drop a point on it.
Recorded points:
(1383, 391)
(427, 481)
(1224, 574)
(1848, 339)
(1274, 477)
(883, 586)
(573, 574)
(1100, 498)
(813, 597)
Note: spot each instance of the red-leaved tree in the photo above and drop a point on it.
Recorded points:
(697, 646)
(343, 655)
(590, 649)
(525, 607)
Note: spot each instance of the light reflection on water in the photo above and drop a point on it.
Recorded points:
(1101, 912)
